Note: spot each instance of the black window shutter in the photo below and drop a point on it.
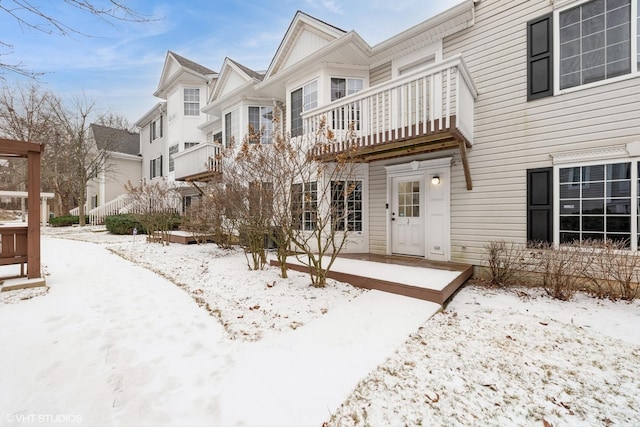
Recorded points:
(540, 57)
(540, 205)
(161, 170)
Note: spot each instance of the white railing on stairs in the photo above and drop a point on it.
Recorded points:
(114, 207)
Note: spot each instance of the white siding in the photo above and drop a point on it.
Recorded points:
(513, 135)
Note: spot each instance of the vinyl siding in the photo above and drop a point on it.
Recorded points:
(513, 135)
(380, 74)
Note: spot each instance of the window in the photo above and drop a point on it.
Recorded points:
(231, 128)
(172, 150)
(595, 203)
(349, 114)
(94, 201)
(260, 124)
(302, 99)
(155, 167)
(304, 206)
(190, 144)
(344, 87)
(346, 205)
(217, 138)
(192, 102)
(155, 129)
(595, 41)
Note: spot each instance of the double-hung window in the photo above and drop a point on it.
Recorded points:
(260, 124)
(595, 41)
(302, 99)
(155, 167)
(191, 102)
(581, 44)
(155, 128)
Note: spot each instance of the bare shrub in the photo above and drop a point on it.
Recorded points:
(156, 206)
(206, 221)
(564, 269)
(506, 262)
(614, 272)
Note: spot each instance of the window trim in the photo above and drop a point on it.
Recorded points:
(635, 197)
(635, 55)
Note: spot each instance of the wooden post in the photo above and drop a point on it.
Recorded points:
(33, 224)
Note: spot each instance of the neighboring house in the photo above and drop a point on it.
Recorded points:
(174, 124)
(122, 165)
(493, 120)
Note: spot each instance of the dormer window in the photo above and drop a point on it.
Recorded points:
(192, 102)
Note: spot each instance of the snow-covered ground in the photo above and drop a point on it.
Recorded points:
(111, 343)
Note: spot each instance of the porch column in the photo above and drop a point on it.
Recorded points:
(33, 224)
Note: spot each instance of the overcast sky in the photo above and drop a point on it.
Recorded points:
(119, 67)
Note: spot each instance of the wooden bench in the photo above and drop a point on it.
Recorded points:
(13, 242)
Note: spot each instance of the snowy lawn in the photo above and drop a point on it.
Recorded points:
(238, 346)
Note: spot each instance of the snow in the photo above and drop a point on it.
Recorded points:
(408, 275)
(130, 333)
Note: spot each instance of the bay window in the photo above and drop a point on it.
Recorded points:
(302, 99)
(260, 124)
(231, 128)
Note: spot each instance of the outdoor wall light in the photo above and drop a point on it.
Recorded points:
(435, 180)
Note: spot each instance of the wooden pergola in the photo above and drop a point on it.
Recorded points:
(21, 244)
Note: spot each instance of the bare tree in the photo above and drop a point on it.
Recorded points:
(85, 160)
(32, 16)
(312, 203)
(25, 115)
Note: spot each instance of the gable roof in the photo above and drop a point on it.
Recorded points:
(178, 67)
(190, 64)
(323, 33)
(248, 71)
(234, 79)
(116, 140)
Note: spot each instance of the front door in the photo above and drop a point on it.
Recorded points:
(408, 215)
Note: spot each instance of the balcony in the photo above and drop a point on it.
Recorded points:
(198, 163)
(425, 110)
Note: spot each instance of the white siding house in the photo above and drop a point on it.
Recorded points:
(515, 120)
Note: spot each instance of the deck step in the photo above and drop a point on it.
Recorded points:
(429, 281)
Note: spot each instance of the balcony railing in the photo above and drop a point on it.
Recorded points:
(200, 162)
(426, 106)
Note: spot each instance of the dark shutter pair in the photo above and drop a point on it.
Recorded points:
(540, 57)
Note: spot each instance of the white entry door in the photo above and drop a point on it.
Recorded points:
(408, 215)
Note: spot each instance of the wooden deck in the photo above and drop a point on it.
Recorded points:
(439, 290)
